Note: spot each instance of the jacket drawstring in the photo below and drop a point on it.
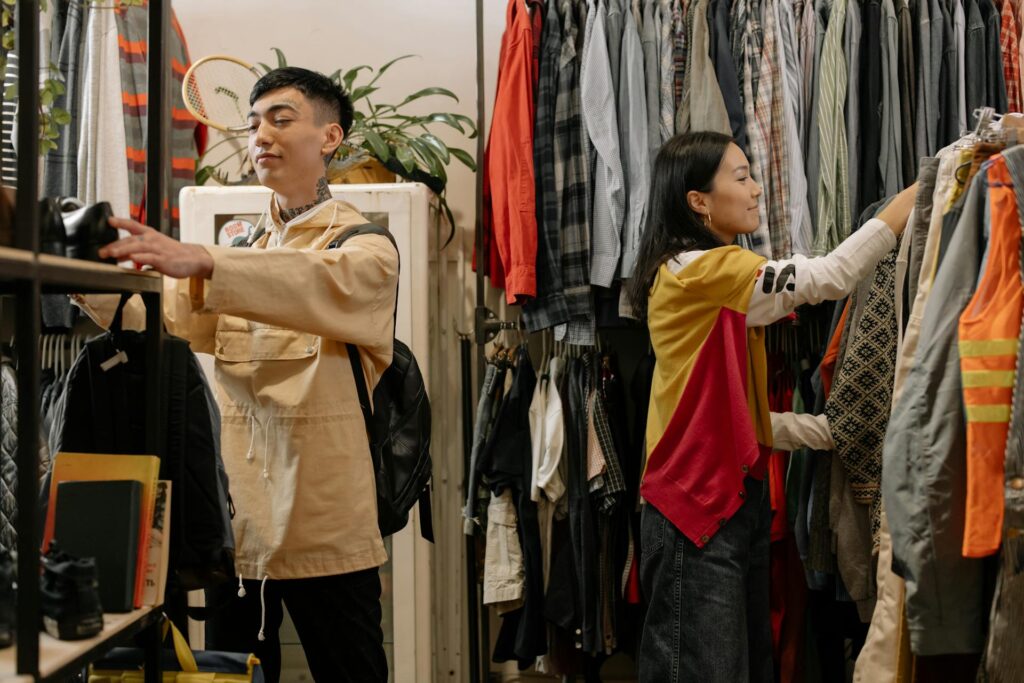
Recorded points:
(263, 609)
(252, 438)
(266, 448)
(251, 455)
(241, 588)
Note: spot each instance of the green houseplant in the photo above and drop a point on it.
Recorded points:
(404, 143)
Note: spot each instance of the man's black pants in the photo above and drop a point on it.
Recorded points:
(338, 619)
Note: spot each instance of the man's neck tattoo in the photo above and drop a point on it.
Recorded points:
(323, 193)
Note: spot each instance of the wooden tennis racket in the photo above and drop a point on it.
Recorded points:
(216, 91)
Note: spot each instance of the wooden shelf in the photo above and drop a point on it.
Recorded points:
(16, 264)
(58, 274)
(61, 658)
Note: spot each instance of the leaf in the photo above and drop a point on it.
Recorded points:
(11, 92)
(468, 122)
(266, 67)
(60, 116)
(281, 61)
(350, 76)
(8, 40)
(448, 215)
(438, 146)
(378, 147)
(428, 92)
(46, 98)
(361, 92)
(405, 157)
(428, 156)
(380, 71)
(463, 156)
(336, 77)
(441, 117)
(56, 86)
(203, 174)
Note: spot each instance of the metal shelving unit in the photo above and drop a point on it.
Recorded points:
(26, 274)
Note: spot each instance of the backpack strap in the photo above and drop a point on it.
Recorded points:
(353, 350)
(361, 389)
(426, 514)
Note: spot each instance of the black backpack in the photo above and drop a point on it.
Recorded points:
(104, 412)
(398, 426)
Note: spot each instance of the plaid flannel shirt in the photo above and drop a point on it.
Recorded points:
(679, 38)
(758, 117)
(1009, 44)
(779, 220)
(572, 176)
(550, 307)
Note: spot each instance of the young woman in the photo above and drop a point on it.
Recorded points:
(705, 527)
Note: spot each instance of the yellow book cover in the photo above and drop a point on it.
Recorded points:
(97, 467)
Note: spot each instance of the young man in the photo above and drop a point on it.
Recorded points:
(277, 317)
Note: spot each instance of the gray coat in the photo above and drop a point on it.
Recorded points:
(924, 464)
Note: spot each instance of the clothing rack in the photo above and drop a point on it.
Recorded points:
(26, 274)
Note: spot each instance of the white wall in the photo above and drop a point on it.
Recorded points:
(329, 34)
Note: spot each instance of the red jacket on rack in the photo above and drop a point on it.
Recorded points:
(510, 216)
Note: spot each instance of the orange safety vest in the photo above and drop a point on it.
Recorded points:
(989, 329)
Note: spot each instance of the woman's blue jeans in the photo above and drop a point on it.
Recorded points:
(708, 615)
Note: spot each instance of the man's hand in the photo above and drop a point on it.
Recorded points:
(149, 247)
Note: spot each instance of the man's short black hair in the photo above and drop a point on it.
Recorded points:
(324, 92)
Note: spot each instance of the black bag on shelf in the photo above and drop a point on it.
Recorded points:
(104, 411)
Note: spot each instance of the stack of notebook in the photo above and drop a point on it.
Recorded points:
(115, 509)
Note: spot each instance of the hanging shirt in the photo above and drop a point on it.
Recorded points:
(133, 42)
(600, 122)
(1009, 46)
(102, 168)
(549, 308)
(509, 164)
(636, 159)
(833, 203)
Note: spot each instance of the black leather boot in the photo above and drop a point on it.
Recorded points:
(88, 230)
(52, 237)
(69, 596)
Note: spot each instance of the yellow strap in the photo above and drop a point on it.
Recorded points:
(988, 378)
(186, 660)
(988, 413)
(972, 348)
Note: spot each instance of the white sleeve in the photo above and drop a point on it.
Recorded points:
(783, 285)
(791, 431)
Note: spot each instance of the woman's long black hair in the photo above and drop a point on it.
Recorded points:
(685, 163)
